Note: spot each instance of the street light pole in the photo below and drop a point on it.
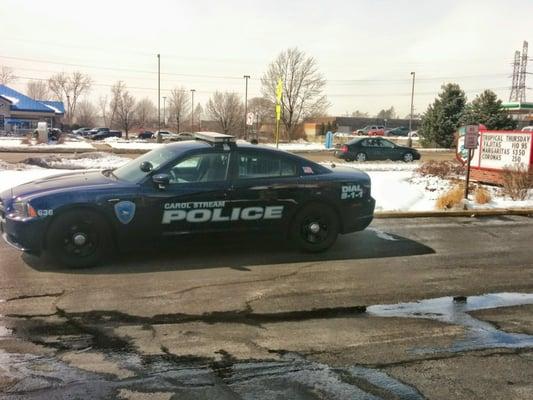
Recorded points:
(164, 111)
(159, 139)
(192, 109)
(246, 77)
(410, 140)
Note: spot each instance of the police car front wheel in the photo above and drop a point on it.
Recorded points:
(315, 228)
(78, 238)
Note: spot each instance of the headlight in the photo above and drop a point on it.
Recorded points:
(23, 209)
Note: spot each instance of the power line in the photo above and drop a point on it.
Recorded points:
(117, 69)
(227, 77)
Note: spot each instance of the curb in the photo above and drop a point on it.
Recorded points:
(455, 213)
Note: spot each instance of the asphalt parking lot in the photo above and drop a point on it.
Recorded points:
(232, 318)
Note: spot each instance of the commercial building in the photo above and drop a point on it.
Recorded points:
(20, 113)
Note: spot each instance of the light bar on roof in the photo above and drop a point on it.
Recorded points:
(214, 137)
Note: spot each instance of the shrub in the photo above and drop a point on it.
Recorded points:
(451, 198)
(482, 195)
(441, 169)
(516, 182)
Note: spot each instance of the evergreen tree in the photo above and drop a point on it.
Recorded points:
(486, 109)
(443, 117)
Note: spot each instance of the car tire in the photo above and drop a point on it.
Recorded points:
(78, 239)
(408, 157)
(361, 157)
(314, 228)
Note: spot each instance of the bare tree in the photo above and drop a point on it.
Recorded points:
(198, 115)
(303, 87)
(227, 109)
(7, 75)
(263, 108)
(86, 114)
(38, 90)
(178, 105)
(104, 109)
(123, 106)
(69, 88)
(145, 113)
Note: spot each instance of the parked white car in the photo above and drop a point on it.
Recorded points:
(167, 135)
(527, 129)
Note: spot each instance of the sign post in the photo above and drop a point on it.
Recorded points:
(472, 133)
(279, 92)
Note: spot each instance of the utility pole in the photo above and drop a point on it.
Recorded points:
(410, 140)
(523, 73)
(516, 77)
(68, 110)
(164, 111)
(159, 139)
(192, 109)
(246, 77)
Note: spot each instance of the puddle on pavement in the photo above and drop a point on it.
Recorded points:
(480, 334)
(291, 377)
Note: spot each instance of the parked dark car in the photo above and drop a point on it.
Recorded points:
(400, 131)
(376, 149)
(94, 131)
(213, 184)
(106, 134)
(145, 135)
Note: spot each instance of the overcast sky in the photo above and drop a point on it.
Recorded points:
(365, 49)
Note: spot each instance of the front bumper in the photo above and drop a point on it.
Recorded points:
(23, 234)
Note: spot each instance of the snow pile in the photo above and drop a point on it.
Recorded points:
(96, 160)
(300, 145)
(406, 191)
(12, 178)
(375, 166)
(10, 144)
(394, 190)
(136, 144)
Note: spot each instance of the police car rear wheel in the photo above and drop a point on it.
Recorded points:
(78, 239)
(315, 228)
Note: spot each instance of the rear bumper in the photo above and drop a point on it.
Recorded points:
(359, 216)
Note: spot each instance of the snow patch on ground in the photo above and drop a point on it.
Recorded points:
(299, 146)
(9, 144)
(375, 166)
(394, 189)
(94, 160)
(136, 144)
(12, 178)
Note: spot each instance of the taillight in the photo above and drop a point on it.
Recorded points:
(344, 149)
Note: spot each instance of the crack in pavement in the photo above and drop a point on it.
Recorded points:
(35, 296)
(240, 282)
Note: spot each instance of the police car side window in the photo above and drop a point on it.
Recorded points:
(257, 165)
(207, 167)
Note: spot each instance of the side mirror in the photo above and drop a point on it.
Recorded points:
(161, 180)
(146, 166)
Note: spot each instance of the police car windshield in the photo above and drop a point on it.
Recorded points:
(132, 172)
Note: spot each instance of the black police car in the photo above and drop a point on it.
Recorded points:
(206, 185)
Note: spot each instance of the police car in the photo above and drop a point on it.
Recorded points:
(211, 184)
